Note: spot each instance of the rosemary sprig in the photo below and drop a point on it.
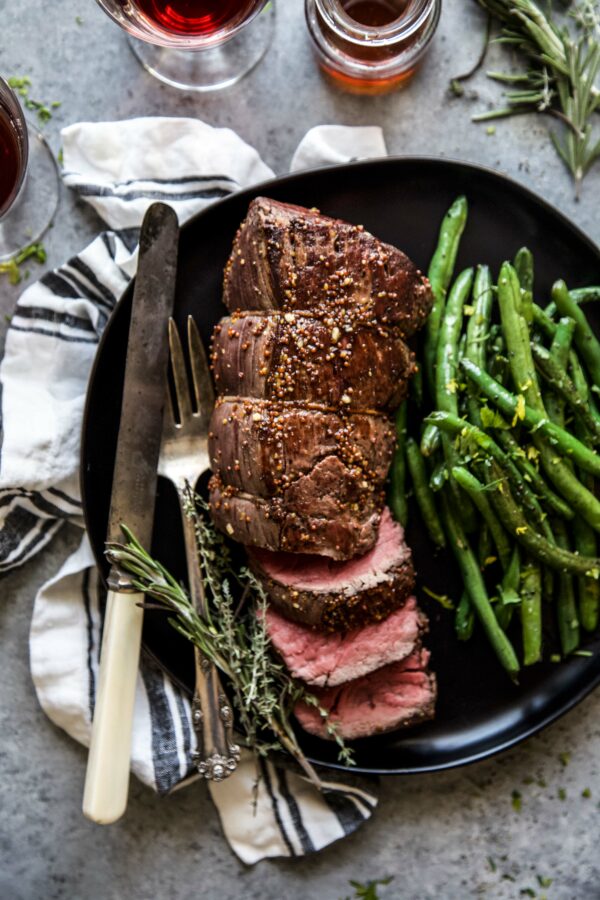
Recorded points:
(232, 635)
(561, 77)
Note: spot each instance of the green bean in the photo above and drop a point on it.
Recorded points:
(397, 491)
(510, 446)
(464, 618)
(579, 295)
(430, 440)
(531, 612)
(559, 351)
(476, 492)
(441, 269)
(566, 608)
(581, 384)
(416, 387)
(446, 389)
(533, 420)
(439, 475)
(543, 321)
(560, 382)
(508, 590)
(475, 587)
(478, 331)
(588, 588)
(523, 265)
(446, 370)
(423, 493)
(485, 547)
(585, 339)
(516, 335)
(536, 544)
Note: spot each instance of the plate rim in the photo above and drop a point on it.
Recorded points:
(256, 190)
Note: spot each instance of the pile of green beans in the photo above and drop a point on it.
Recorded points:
(501, 451)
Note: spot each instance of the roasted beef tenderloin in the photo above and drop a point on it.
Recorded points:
(394, 696)
(293, 259)
(338, 596)
(292, 450)
(327, 660)
(295, 357)
(314, 516)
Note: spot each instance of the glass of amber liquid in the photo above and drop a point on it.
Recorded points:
(371, 46)
(195, 45)
(28, 178)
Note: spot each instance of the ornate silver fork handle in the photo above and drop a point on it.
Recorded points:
(212, 715)
(183, 458)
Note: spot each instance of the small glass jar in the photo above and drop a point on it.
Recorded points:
(371, 58)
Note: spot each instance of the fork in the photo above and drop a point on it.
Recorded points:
(183, 459)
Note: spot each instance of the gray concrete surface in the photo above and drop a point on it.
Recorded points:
(454, 835)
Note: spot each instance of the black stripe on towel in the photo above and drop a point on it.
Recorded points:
(284, 790)
(275, 805)
(59, 285)
(19, 525)
(53, 315)
(69, 338)
(165, 757)
(62, 496)
(96, 190)
(104, 292)
(85, 590)
(183, 179)
(345, 809)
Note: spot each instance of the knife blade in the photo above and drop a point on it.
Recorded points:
(132, 503)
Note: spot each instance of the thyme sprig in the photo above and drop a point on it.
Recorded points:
(561, 77)
(233, 635)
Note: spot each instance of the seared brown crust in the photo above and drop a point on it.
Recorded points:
(289, 258)
(340, 610)
(314, 516)
(295, 356)
(263, 448)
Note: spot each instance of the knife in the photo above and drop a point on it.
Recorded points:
(132, 503)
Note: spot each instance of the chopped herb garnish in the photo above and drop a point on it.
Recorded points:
(562, 794)
(442, 599)
(516, 801)
(586, 793)
(492, 864)
(21, 84)
(368, 891)
(11, 266)
(565, 758)
(527, 892)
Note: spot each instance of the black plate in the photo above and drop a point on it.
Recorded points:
(401, 201)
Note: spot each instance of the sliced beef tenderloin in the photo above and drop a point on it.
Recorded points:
(296, 357)
(394, 696)
(294, 259)
(302, 453)
(329, 595)
(313, 516)
(327, 660)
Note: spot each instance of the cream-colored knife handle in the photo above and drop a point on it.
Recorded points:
(107, 776)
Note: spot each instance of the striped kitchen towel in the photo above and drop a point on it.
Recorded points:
(120, 168)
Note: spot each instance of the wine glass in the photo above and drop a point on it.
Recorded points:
(29, 179)
(197, 45)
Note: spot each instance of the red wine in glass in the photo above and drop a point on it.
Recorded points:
(13, 157)
(195, 17)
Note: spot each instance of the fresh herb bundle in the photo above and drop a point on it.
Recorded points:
(563, 62)
(233, 635)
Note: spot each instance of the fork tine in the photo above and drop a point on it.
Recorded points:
(180, 378)
(203, 386)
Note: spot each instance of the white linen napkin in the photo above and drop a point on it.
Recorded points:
(120, 168)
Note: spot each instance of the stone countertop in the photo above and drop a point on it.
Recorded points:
(451, 835)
